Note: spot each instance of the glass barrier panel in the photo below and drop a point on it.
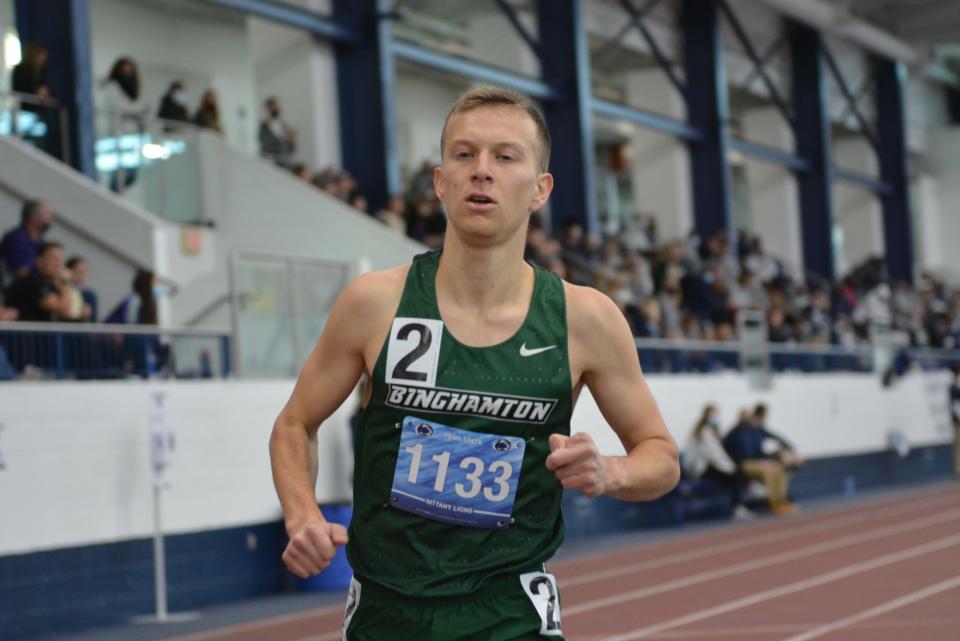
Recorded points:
(42, 125)
(264, 319)
(154, 163)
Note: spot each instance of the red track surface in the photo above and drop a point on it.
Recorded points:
(883, 570)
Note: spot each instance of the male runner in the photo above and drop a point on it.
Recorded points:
(475, 360)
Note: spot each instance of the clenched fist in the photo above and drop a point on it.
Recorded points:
(578, 463)
(311, 547)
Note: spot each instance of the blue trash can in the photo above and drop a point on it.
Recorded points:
(338, 574)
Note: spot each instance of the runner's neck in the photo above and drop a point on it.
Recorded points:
(477, 279)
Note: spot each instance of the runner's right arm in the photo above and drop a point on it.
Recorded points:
(328, 377)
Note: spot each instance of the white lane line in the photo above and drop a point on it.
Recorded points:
(333, 636)
(907, 599)
(741, 543)
(791, 588)
(762, 562)
(738, 633)
(919, 499)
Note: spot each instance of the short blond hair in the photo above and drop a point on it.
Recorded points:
(492, 96)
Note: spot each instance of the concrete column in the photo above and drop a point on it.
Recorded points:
(661, 165)
(774, 203)
(858, 211)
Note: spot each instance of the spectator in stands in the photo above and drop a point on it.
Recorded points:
(30, 76)
(394, 215)
(127, 112)
(421, 184)
(79, 269)
(7, 313)
(43, 294)
(173, 104)
(208, 113)
(572, 238)
(277, 139)
(302, 172)
(347, 186)
(141, 354)
(122, 93)
(428, 223)
(764, 456)
(140, 305)
(779, 329)
(359, 202)
(705, 458)
(955, 416)
(18, 248)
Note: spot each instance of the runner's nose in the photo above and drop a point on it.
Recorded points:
(481, 170)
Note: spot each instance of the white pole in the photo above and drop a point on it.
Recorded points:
(159, 557)
(161, 456)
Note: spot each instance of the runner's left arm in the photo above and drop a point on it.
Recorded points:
(604, 352)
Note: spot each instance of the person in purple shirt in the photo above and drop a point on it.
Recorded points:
(18, 248)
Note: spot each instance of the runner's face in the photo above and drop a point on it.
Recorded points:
(490, 179)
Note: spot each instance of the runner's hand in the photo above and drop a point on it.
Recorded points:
(578, 463)
(311, 548)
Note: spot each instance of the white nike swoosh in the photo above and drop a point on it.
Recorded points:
(531, 352)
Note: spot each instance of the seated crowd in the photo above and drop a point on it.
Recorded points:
(694, 288)
(749, 452)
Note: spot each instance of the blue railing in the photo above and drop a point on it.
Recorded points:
(694, 356)
(90, 351)
(96, 351)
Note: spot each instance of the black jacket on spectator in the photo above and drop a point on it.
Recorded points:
(170, 109)
(29, 80)
(26, 293)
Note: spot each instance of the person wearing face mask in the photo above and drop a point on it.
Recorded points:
(277, 140)
(208, 113)
(705, 458)
(173, 104)
(126, 111)
(140, 307)
(18, 248)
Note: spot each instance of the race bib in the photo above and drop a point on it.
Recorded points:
(455, 476)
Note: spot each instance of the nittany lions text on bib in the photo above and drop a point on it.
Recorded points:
(456, 476)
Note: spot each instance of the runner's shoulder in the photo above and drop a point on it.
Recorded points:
(374, 295)
(589, 310)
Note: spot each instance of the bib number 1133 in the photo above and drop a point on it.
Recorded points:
(456, 476)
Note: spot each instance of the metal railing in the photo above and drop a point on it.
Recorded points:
(37, 123)
(696, 356)
(102, 351)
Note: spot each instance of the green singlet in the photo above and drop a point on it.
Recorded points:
(518, 390)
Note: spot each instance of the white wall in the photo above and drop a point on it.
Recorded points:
(300, 71)
(857, 211)
(422, 102)
(945, 156)
(78, 469)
